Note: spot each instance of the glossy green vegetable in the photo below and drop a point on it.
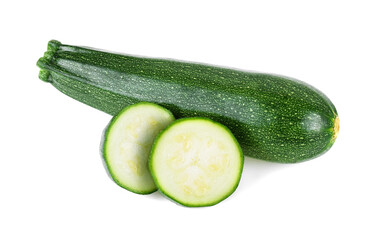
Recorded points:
(273, 117)
(196, 162)
(127, 144)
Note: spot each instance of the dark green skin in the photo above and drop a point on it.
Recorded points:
(268, 114)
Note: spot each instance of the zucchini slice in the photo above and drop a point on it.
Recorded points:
(127, 144)
(196, 162)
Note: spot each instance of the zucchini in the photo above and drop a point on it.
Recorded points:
(196, 162)
(127, 144)
(274, 118)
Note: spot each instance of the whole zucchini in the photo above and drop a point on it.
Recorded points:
(274, 118)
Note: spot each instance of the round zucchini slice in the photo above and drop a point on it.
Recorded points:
(196, 162)
(127, 144)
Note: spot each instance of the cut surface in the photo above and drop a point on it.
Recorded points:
(196, 162)
(127, 145)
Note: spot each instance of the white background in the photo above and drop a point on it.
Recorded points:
(53, 183)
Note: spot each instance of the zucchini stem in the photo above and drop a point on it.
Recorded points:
(42, 63)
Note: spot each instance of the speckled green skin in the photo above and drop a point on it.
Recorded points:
(274, 118)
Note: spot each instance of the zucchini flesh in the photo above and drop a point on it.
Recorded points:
(273, 117)
(196, 162)
(127, 144)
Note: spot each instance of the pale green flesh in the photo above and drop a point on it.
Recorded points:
(196, 162)
(128, 144)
